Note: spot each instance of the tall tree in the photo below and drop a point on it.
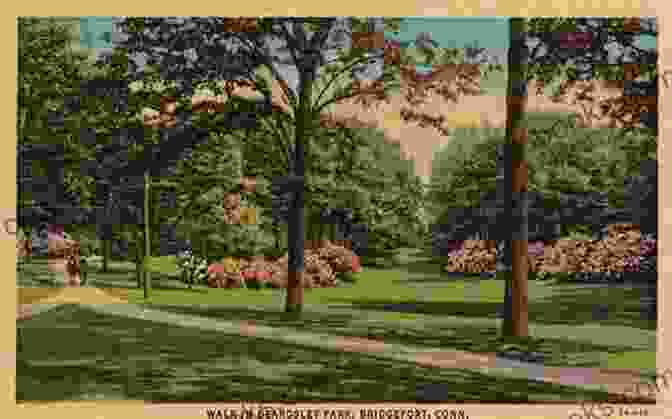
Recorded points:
(579, 42)
(48, 69)
(215, 49)
(515, 183)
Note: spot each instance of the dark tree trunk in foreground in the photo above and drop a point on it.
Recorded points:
(516, 317)
(297, 221)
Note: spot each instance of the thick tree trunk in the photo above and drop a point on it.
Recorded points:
(296, 242)
(516, 135)
(297, 221)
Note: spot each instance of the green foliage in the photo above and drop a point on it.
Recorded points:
(463, 169)
(377, 257)
(358, 169)
(384, 193)
(560, 159)
(556, 66)
(340, 171)
(48, 67)
(241, 240)
(48, 70)
(237, 240)
(212, 169)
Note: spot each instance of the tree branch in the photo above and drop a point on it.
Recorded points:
(281, 143)
(292, 45)
(318, 107)
(343, 97)
(268, 62)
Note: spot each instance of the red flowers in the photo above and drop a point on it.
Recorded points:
(261, 275)
(216, 268)
(356, 267)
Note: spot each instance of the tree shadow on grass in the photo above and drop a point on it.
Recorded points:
(306, 321)
(476, 338)
(156, 285)
(425, 270)
(421, 267)
(94, 355)
(617, 307)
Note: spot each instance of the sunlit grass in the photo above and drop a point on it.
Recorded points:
(418, 304)
(113, 357)
(645, 360)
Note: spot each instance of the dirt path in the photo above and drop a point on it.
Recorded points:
(614, 381)
(619, 382)
(68, 295)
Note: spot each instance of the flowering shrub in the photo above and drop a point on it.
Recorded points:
(350, 275)
(337, 257)
(256, 279)
(231, 265)
(535, 249)
(356, 266)
(632, 264)
(321, 267)
(216, 268)
(649, 252)
(623, 250)
(194, 269)
(647, 259)
(454, 245)
(457, 252)
(649, 246)
(220, 277)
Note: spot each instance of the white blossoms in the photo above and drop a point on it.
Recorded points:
(194, 268)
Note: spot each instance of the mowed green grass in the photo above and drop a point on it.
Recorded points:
(418, 304)
(448, 314)
(75, 353)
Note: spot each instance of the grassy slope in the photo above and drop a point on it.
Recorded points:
(110, 357)
(417, 304)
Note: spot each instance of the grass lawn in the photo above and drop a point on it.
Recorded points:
(456, 315)
(110, 357)
(417, 304)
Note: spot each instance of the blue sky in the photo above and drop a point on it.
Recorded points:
(91, 28)
(490, 32)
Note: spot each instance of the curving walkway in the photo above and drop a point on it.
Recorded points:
(613, 381)
(70, 295)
